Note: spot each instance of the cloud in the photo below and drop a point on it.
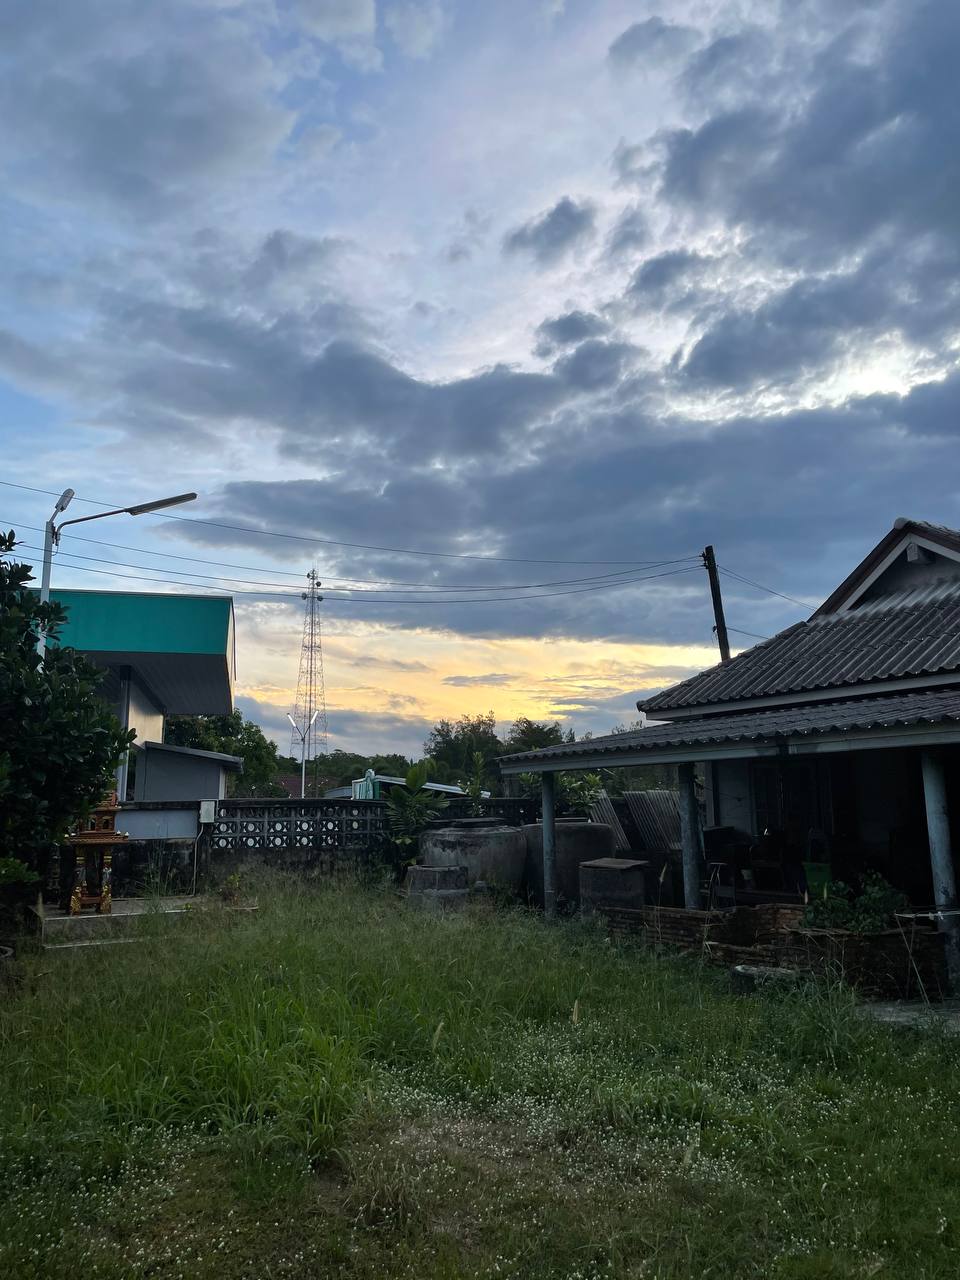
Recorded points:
(153, 115)
(494, 678)
(416, 28)
(337, 20)
(569, 329)
(551, 234)
(859, 140)
(385, 664)
(656, 277)
(630, 233)
(595, 364)
(649, 40)
(382, 731)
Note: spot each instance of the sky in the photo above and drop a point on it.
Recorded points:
(551, 294)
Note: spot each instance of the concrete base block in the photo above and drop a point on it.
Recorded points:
(612, 882)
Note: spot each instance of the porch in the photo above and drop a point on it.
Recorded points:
(773, 799)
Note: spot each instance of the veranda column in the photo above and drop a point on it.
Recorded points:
(689, 837)
(549, 845)
(941, 855)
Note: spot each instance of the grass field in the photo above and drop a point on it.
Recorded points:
(335, 1087)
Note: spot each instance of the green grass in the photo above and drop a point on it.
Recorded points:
(336, 1087)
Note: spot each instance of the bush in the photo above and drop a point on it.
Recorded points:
(871, 910)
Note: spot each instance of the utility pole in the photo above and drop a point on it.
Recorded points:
(720, 625)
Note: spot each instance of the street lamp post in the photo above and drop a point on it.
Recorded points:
(52, 531)
(303, 734)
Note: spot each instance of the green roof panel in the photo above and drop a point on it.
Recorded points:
(145, 622)
(180, 647)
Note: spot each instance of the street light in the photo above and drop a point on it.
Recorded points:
(303, 734)
(52, 531)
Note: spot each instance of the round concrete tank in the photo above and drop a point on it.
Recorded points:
(491, 851)
(577, 841)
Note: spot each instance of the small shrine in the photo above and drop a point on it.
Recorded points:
(93, 843)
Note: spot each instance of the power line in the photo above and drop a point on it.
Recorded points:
(369, 597)
(740, 632)
(386, 582)
(760, 587)
(359, 546)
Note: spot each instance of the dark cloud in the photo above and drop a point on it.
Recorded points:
(821, 484)
(325, 399)
(381, 731)
(630, 233)
(910, 293)
(550, 235)
(657, 277)
(569, 329)
(595, 364)
(833, 159)
(285, 255)
(386, 664)
(866, 141)
(143, 112)
(494, 678)
(650, 41)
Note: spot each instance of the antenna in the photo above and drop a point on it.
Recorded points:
(309, 735)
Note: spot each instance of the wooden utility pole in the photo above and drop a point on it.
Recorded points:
(720, 625)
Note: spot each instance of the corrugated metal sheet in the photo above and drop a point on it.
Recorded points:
(656, 814)
(603, 811)
(915, 632)
(934, 707)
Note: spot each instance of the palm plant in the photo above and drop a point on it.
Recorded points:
(411, 807)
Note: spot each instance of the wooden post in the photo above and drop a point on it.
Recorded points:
(689, 837)
(941, 855)
(720, 624)
(548, 793)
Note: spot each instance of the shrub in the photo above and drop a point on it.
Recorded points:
(869, 911)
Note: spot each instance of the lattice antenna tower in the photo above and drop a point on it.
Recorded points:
(310, 691)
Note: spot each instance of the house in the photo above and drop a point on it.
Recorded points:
(161, 655)
(839, 737)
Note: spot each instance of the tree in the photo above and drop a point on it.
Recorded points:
(640, 777)
(234, 736)
(452, 747)
(59, 742)
(532, 735)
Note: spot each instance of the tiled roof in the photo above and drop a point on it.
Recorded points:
(913, 632)
(922, 707)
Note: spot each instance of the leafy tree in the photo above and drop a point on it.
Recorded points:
(452, 746)
(575, 792)
(639, 777)
(59, 743)
(339, 768)
(234, 736)
(532, 735)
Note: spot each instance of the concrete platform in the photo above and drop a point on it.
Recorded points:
(58, 928)
(915, 1015)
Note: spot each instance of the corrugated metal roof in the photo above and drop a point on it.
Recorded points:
(912, 632)
(901, 533)
(923, 707)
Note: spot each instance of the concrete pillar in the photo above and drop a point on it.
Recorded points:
(690, 837)
(941, 855)
(548, 792)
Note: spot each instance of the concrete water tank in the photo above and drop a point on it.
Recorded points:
(577, 841)
(492, 852)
